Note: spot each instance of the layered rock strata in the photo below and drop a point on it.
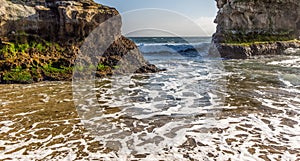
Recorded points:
(256, 27)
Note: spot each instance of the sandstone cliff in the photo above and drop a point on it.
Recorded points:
(40, 39)
(256, 27)
(60, 21)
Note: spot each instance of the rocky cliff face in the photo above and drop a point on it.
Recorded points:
(60, 21)
(249, 21)
(40, 39)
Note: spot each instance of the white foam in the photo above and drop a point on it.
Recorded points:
(292, 50)
(293, 62)
(191, 108)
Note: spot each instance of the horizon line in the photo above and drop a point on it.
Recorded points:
(169, 36)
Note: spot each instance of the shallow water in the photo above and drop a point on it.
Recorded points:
(201, 109)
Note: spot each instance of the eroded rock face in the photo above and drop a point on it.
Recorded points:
(247, 21)
(42, 39)
(61, 21)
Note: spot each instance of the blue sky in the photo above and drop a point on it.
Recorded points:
(174, 16)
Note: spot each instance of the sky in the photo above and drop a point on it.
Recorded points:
(166, 17)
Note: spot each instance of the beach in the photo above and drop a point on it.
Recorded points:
(200, 108)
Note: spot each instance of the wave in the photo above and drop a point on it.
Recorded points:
(183, 48)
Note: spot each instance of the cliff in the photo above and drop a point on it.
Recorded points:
(247, 28)
(40, 40)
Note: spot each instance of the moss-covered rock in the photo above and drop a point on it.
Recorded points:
(17, 75)
(33, 61)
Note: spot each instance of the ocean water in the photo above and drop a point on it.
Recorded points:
(158, 47)
(200, 108)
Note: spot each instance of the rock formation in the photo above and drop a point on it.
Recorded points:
(52, 21)
(256, 27)
(40, 39)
